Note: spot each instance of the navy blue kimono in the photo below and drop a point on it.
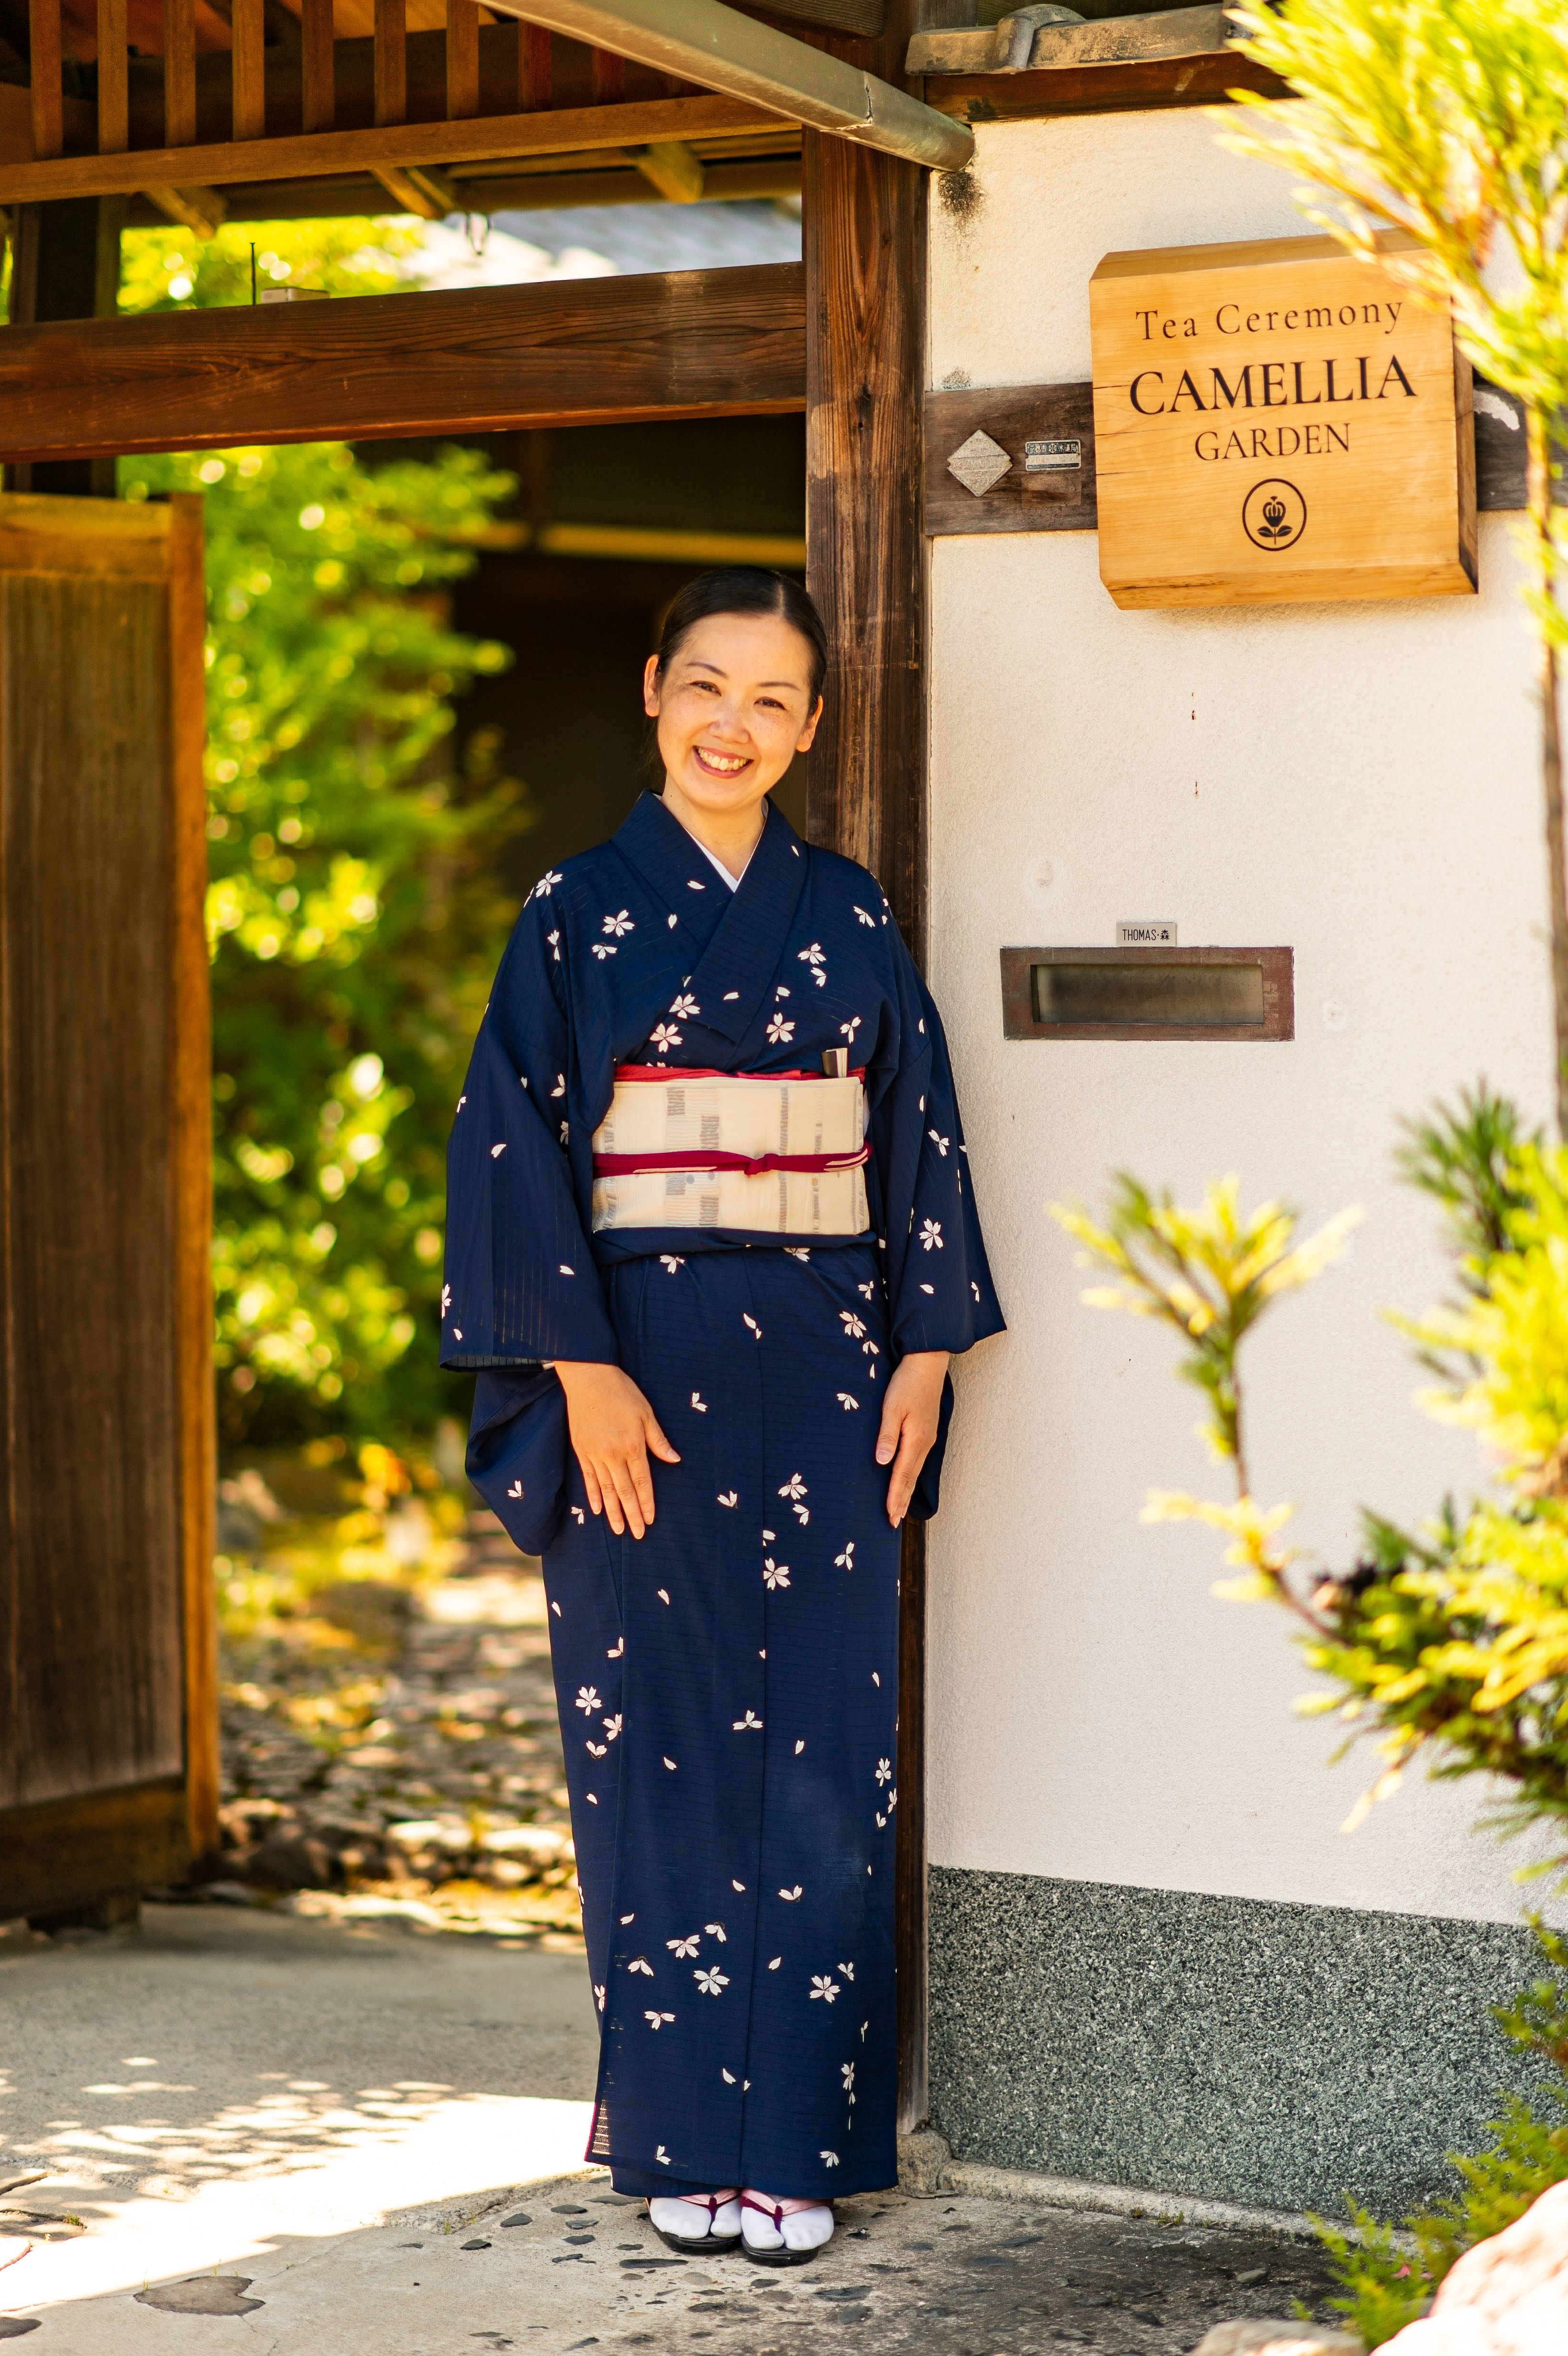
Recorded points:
(727, 1684)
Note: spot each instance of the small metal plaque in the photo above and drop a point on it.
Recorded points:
(978, 462)
(1148, 933)
(1055, 457)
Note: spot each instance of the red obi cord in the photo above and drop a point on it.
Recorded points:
(672, 1074)
(628, 1165)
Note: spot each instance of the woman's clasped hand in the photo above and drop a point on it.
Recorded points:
(613, 1429)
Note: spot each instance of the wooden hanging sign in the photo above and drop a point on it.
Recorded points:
(1276, 422)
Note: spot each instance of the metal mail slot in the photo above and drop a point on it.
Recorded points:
(1152, 994)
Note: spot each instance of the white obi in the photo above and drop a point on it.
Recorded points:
(777, 1155)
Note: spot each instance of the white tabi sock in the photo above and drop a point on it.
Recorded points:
(690, 2219)
(770, 2224)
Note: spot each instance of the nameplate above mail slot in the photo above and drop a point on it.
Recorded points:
(1276, 423)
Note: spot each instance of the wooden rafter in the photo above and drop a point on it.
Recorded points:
(248, 78)
(709, 343)
(48, 76)
(113, 80)
(308, 156)
(519, 184)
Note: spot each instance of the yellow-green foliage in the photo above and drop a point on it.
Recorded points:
(1210, 1274)
(1447, 120)
(358, 904)
(1450, 1646)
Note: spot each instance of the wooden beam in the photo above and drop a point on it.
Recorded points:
(331, 154)
(864, 220)
(421, 190)
(461, 60)
(114, 78)
(318, 96)
(705, 343)
(672, 169)
(46, 74)
(392, 67)
(180, 73)
(1100, 90)
(249, 68)
(201, 211)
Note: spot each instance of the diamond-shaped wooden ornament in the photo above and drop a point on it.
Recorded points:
(978, 462)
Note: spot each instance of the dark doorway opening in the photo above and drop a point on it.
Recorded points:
(607, 523)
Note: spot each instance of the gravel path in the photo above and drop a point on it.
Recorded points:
(397, 1751)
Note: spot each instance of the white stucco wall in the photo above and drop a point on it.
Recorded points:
(1357, 781)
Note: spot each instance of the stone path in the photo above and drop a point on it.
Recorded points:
(339, 2104)
(371, 2130)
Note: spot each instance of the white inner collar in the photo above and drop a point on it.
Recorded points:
(719, 867)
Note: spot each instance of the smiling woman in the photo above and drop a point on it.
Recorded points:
(723, 723)
(709, 1207)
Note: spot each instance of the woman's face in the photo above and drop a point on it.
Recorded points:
(733, 708)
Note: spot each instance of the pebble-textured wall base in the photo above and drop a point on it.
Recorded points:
(1224, 2047)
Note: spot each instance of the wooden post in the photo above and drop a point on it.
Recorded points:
(318, 100)
(191, 1179)
(534, 69)
(248, 19)
(179, 73)
(46, 74)
(461, 60)
(864, 223)
(65, 264)
(113, 80)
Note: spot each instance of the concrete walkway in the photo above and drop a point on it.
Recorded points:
(366, 2141)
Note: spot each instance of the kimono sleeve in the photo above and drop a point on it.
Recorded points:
(521, 1285)
(940, 1293)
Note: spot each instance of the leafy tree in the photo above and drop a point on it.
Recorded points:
(1448, 120)
(354, 912)
(1447, 1645)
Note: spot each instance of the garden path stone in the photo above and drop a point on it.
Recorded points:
(202, 2295)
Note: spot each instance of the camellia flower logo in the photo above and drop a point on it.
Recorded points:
(1274, 514)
